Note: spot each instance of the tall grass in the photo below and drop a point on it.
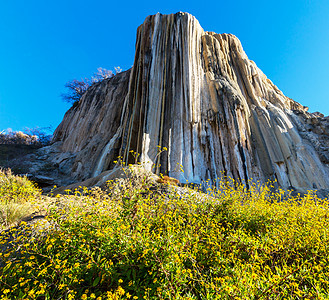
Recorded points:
(144, 241)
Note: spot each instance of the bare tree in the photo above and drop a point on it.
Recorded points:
(76, 88)
(43, 134)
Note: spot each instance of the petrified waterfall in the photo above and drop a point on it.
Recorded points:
(197, 94)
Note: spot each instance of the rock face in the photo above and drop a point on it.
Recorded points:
(197, 94)
(88, 127)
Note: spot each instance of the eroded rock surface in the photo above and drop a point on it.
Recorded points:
(88, 127)
(197, 94)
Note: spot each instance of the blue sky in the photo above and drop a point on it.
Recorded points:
(44, 44)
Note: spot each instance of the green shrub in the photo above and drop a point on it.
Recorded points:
(159, 243)
(16, 189)
(17, 195)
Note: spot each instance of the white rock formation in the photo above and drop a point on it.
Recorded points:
(197, 94)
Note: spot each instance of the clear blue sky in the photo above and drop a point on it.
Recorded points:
(44, 44)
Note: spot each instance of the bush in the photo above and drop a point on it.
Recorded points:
(17, 194)
(16, 188)
(18, 138)
(31, 136)
(151, 242)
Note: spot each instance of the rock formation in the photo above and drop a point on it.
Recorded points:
(197, 94)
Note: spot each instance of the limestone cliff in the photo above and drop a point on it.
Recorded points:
(88, 126)
(197, 94)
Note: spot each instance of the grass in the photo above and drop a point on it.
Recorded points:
(147, 241)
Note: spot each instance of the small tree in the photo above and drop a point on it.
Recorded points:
(102, 74)
(76, 88)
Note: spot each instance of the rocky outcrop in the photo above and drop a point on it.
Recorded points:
(198, 95)
(88, 127)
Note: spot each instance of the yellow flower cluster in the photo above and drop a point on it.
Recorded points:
(141, 242)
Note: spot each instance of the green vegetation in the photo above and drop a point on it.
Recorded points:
(143, 241)
(17, 198)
